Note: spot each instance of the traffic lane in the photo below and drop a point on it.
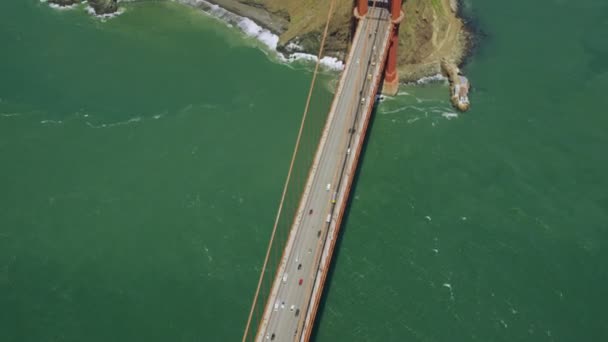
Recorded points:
(311, 240)
(334, 145)
(318, 196)
(301, 240)
(338, 146)
(300, 245)
(325, 168)
(368, 86)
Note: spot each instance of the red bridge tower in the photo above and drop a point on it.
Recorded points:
(391, 78)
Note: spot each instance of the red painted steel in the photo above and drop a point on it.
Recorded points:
(390, 74)
(338, 223)
(395, 9)
(391, 64)
(362, 7)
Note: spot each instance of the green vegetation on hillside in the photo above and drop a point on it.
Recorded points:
(430, 31)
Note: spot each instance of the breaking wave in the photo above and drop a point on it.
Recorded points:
(59, 7)
(439, 78)
(53, 122)
(91, 11)
(449, 115)
(120, 123)
(265, 36)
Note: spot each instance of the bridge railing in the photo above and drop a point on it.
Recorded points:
(311, 133)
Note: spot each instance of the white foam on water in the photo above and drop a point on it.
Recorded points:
(265, 36)
(400, 109)
(9, 115)
(120, 123)
(55, 122)
(412, 120)
(432, 79)
(250, 28)
(449, 115)
(331, 63)
(291, 46)
(449, 286)
(91, 11)
(61, 8)
(381, 97)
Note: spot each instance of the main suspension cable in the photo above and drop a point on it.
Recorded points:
(293, 158)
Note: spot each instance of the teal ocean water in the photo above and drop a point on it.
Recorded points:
(142, 160)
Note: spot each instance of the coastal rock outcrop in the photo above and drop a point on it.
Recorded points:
(459, 86)
(104, 6)
(430, 31)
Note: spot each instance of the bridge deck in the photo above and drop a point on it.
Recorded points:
(292, 305)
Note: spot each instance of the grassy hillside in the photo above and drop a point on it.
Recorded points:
(429, 32)
(307, 21)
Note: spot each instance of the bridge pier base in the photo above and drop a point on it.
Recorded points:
(391, 87)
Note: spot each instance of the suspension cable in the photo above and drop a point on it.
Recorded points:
(293, 158)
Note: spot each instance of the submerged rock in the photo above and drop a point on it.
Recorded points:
(104, 6)
(64, 2)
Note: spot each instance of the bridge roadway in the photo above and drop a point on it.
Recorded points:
(292, 304)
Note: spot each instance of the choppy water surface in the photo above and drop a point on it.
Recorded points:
(143, 158)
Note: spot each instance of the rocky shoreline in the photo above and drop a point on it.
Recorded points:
(102, 7)
(431, 31)
(99, 7)
(277, 23)
(275, 16)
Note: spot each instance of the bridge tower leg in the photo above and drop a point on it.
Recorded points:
(391, 79)
(361, 9)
